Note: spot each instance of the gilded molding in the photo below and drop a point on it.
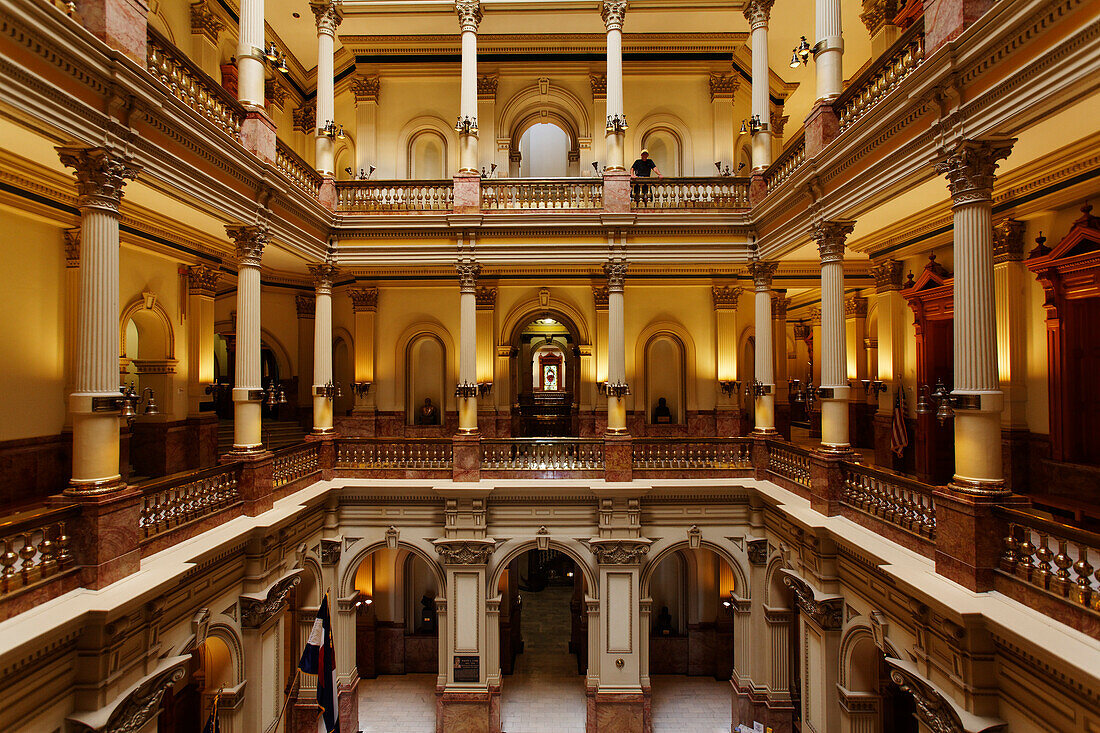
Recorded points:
(465, 551)
(366, 88)
(487, 87)
(615, 270)
(877, 13)
(830, 236)
(250, 242)
(275, 93)
(762, 273)
(485, 298)
(757, 551)
(970, 168)
(305, 119)
(72, 247)
(598, 82)
(600, 295)
(363, 299)
(468, 270)
(330, 551)
(100, 173)
(723, 86)
(627, 551)
(855, 307)
(323, 274)
(827, 612)
(725, 296)
(203, 280)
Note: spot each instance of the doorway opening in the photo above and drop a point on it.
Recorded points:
(544, 152)
(546, 379)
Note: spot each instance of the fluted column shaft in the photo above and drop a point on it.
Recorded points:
(764, 355)
(323, 276)
(469, 18)
(616, 345)
(468, 270)
(101, 175)
(250, 241)
(829, 50)
(613, 13)
(202, 286)
(328, 16)
(978, 400)
(250, 50)
(758, 13)
(830, 237)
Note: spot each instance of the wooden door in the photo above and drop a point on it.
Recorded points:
(1083, 371)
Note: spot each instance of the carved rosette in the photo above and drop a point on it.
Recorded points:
(830, 236)
(487, 88)
(599, 85)
(1008, 241)
(467, 270)
(970, 168)
(363, 299)
(250, 241)
(101, 175)
(828, 613)
(615, 270)
(757, 551)
(619, 551)
(323, 275)
(613, 13)
(600, 297)
(255, 612)
(757, 12)
(72, 247)
(485, 298)
(204, 22)
(723, 86)
(330, 551)
(725, 297)
(328, 15)
(306, 305)
(366, 88)
(469, 15)
(855, 307)
(762, 273)
(465, 552)
(887, 276)
(203, 280)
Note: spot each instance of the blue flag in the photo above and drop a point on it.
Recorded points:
(212, 722)
(319, 658)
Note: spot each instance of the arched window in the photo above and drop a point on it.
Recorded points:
(425, 373)
(427, 156)
(664, 150)
(548, 369)
(744, 160)
(544, 151)
(664, 361)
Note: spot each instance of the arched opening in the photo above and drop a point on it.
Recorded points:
(690, 640)
(744, 160)
(425, 374)
(785, 668)
(342, 374)
(664, 150)
(427, 156)
(396, 639)
(187, 705)
(665, 398)
(870, 700)
(544, 151)
(546, 377)
(746, 368)
(543, 639)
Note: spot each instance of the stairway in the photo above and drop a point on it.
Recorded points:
(274, 434)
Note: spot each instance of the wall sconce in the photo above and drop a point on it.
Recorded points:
(331, 130)
(360, 389)
(492, 170)
(273, 396)
(753, 125)
(362, 602)
(596, 166)
(617, 390)
(730, 387)
(466, 391)
(943, 402)
(129, 400)
(328, 391)
(758, 389)
(718, 166)
(362, 175)
(484, 388)
(616, 123)
(466, 125)
(873, 386)
(217, 389)
(801, 55)
(275, 58)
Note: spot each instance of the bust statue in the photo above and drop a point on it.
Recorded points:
(428, 414)
(661, 413)
(663, 627)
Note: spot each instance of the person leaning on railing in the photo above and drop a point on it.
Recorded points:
(642, 168)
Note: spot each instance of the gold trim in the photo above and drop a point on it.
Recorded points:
(94, 488)
(979, 487)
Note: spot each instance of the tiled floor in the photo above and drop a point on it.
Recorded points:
(690, 704)
(397, 704)
(545, 695)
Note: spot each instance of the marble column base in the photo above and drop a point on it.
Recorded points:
(106, 536)
(326, 195)
(618, 458)
(822, 127)
(615, 712)
(464, 712)
(826, 482)
(758, 188)
(616, 192)
(467, 194)
(969, 537)
(258, 135)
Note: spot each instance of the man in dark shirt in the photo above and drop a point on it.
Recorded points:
(641, 169)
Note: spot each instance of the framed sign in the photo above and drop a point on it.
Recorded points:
(467, 668)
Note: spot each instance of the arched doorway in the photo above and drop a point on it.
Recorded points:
(543, 640)
(544, 151)
(747, 374)
(545, 377)
(870, 700)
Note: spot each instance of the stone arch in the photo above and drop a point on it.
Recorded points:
(664, 548)
(353, 556)
(152, 321)
(282, 356)
(526, 311)
(450, 357)
(773, 581)
(312, 580)
(514, 548)
(230, 636)
(853, 639)
(530, 106)
(425, 124)
(641, 367)
(674, 127)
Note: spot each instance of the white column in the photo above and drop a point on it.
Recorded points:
(469, 18)
(323, 276)
(247, 389)
(615, 269)
(830, 236)
(468, 270)
(757, 12)
(250, 54)
(977, 397)
(829, 50)
(764, 355)
(613, 12)
(202, 283)
(328, 14)
(101, 175)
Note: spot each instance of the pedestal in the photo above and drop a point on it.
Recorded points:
(258, 134)
(822, 127)
(256, 481)
(121, 24)
(105, 538)
(467, 194)
(203, 439)
(326, 459)
(326, 195)
(463, 712)
(613, 712)
(758, 188)
(618, 458)
(969, 537)
(466, 458)
(826, 482)
(616, 191)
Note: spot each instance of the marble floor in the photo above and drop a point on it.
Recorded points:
(683, 704)
(397, 704)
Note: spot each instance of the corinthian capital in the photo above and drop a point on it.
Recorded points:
(615, 269)
(100, 174)
(469, 14)
(324, 274)
(203, 279)
(970, 166)
(250, 241)
(468, 270)
(328, 13)
(613, 12)
(887, 276)
(363, 299)
(757, 12)
(830, 236)
(762, 273)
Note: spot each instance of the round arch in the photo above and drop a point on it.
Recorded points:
(772, 580)
(312, 580)
(229, 636)
(419, 125)
(680, 334)
(562, 311)
(268, 339)
(450, 359)
(555, 118)
(358, 552)
(145, 316)
(530, 106)
(850, 643)
(674, 127)
(668, 547)
(514, 548)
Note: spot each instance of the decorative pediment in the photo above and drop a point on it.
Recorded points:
(137, 705)
(827, 611)
(1083, 239)
(258, 608)
(933, 275)
(937, 711)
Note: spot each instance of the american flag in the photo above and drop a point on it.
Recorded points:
(899, 437)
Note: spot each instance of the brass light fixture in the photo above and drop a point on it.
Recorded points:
(730, 387)
(616, 123)
(360, 388)
(466, 390)
(752, 125)
(329, 391)
(274, 395)
(801, 55)
(466, 125)
(275, 58)
(331, 130)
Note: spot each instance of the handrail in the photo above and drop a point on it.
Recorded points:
(692, 453)
(880, 78)
(191, 85)
(295, 462)
(542, 454)
(35, 545)
(1051, 526)
(296, 168)
(691, 192)
(582, 192)
(896, 499)
(184, 497)
(394, 453)
(1027, 556)
(793, 156)
(395, 196)
(789, 461)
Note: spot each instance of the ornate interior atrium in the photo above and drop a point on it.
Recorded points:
(357, 380)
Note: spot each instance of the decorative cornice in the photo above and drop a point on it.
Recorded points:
(598, 82)
(323, 274)
(469, 14)
(757, 12)
(613, 13)
(628, 551)
(306, 305)
(203, 280)
(250, 241)
(205, 22)
(1008, 241)
(970, 168)
(815, 315)
(305, 119)
(487, 87)
(363, 299)
(887, 275)
(256, 610)
(366, 88)
(485, 298)
(100, 173)
(723, 86)
(726, 296)
(762, 273)
(855, 307)
(830, 236)
(329, 14)
(826, 612)
(465, 551)
(877, 13)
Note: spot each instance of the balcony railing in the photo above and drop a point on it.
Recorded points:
(177, 500)
(692, 454)
(793, 156)
(691, 193)
(894, 499)
(874, 84)
(192, 86)
(394, 454)
(541, 193)
(789, 462)
(542, 454)
(295, 462)
(396, 197)
(35, 547)
(297, 170)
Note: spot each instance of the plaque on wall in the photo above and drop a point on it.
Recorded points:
(467, 669)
